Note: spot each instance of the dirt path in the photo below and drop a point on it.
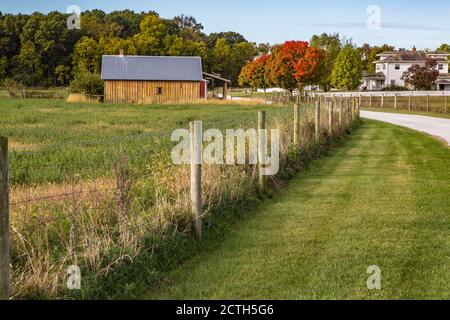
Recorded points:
(437, 127)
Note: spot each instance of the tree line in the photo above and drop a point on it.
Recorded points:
(40, 50)
(328, 61)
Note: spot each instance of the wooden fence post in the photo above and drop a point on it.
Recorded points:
(341, 113)
(196, 176)
(382, 101)
(354, 103)
(428, 103)
(261, 148)
(395, 101)
(446, 104)
(297, 124)
(370, 101)
(317, 122)
(331, 117)
(358, 111)
(4, 221)
(349, 112)
(410, 102)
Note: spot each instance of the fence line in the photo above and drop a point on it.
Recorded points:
(352, 112)
(4, 221)
(397, 101)
(60, 196)
(379, 94)
(320, 122)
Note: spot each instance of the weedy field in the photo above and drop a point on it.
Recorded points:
(93, 185)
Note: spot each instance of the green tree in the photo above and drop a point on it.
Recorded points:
(444, 47)
(347, 70)
(264, 48)
(228, 60)
(62, 73)
(28, 66)
(187, 28)
(371, 55)
(3, 67)
(87, 83)
(220, 55)
(230, 37)
(150, 41)
(87, 56)
(127, 22)
(331, 46)
(113, 45)
(241, 54)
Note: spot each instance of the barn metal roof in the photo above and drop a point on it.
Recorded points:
(152, 68)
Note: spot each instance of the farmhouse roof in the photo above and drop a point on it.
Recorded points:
(377, 76)
(151, 68)
(409, 56)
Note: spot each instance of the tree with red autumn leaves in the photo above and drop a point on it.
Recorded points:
(291, 66)
(253, 73)
(422, 77)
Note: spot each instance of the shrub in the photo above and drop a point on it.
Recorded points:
(394, 88)
(87, 83)
(11, 86)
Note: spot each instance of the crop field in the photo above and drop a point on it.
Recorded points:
(93, 185)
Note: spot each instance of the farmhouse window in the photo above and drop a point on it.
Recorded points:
(384, 67)
(397, 67)
(159, 90)
(393, 83)
(441, 67)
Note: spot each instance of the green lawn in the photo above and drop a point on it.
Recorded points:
(423, 113)
(381, 200)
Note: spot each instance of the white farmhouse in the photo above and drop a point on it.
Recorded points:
(390, 67)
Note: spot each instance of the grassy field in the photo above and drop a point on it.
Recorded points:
(94, 185)
(248, 94)
(55, 93)
(82, 138)
(381, 200)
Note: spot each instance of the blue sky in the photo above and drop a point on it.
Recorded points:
(404, 23)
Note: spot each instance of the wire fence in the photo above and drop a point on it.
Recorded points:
(86, 220)
(415, 101)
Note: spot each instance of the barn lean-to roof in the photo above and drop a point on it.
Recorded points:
(151, 68)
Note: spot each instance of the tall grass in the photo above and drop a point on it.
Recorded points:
(116, 205)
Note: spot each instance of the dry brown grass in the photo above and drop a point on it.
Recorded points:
(80, 98)
(16, 145)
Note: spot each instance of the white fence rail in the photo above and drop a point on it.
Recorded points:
(381, 93)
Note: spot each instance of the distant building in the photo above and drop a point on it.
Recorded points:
(146, 80)
(390, 67)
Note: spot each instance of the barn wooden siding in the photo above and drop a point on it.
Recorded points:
(146, 92)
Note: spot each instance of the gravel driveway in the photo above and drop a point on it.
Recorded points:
(438, 127)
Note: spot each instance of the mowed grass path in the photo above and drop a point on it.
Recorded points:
(383, 199)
